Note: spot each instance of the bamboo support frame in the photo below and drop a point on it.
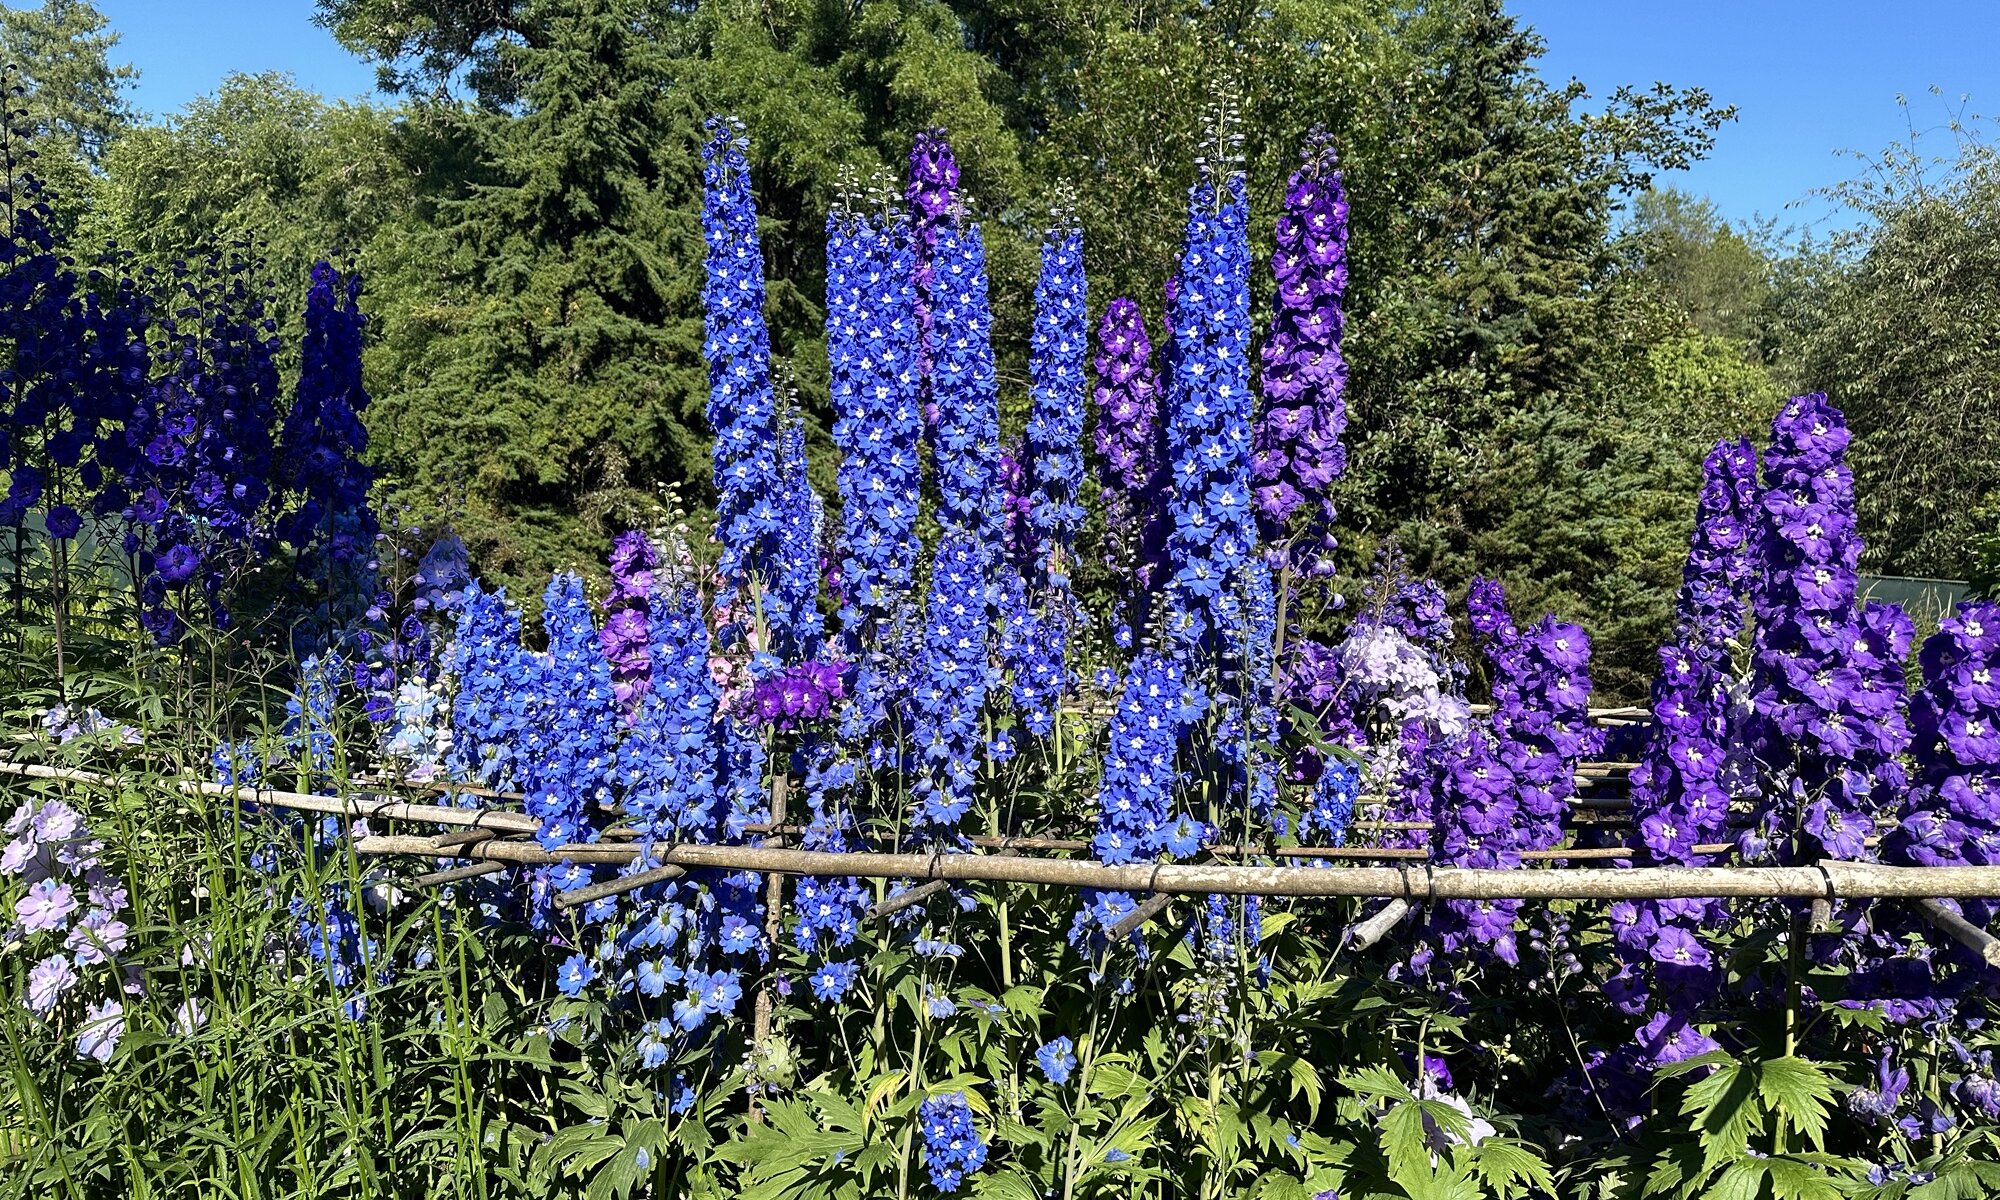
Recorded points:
(907, 898)
(1415, 883)
(619, 886)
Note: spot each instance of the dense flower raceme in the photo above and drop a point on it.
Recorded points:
(951, 687)
(949, 695)
(790, 599)
(1829, 681)
(78, 360)
(1950, 817)
(953, 1148)
(1208, 428)
(1507, 787)
(1136, 817)
(1039, 610)
(932, 193)
(683, 772)
(626, 640)
(871, 336)
(1298, 448)
(68, 914)
(1057, 354)
(742, 404)
(199, 479)
(323, 435)
(1129, 440)
(1694, 763)
(489, 708)
(967, 453)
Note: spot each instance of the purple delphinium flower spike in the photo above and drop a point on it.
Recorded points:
(1299, 452)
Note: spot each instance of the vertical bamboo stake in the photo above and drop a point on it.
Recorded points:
(774, 907)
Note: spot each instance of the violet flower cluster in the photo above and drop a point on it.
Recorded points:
(201, 437)
(1829, 681)
(1950, 817)
(799, 695)
(323, 436)
(64, 902)
(625, 638)
(1299, 452)
(742, 405)
(1541, 720)
(1694, 764)
(1129, 440)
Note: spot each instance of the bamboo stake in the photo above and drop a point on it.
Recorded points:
(1125, 925)
(907, 898)
(454, 874)
(1412, 883)
(614, 887)
(1959, 930)
(1363, 934)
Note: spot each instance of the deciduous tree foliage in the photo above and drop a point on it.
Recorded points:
(526, 222)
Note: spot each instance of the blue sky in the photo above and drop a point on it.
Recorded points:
(1810, 79)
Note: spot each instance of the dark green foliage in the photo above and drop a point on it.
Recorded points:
(75, 97)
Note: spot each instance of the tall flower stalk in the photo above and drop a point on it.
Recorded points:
(1299, 452)
(742, 404)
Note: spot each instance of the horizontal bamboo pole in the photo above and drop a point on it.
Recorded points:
(1960, 930)
(360, 805)
(1413, 883)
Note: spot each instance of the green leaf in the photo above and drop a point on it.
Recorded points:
(1740, 1181)
(1005, 1185)
(1726, 1109)
(1802, 1091)
(1502, 1162)
(1406, 1147)
(1792, 1179)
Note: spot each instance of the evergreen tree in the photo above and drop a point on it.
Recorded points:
(75, 96)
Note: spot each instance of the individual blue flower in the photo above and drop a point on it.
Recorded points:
(574, 975)
(1057, 1060)
(830, 981)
